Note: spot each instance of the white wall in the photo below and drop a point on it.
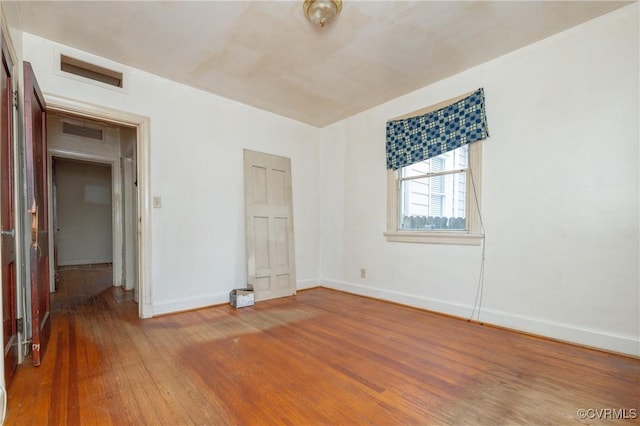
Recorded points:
(83, 206)
(198, 238)
(560, 203)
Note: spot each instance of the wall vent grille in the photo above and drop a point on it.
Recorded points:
(82, 131)
(93, 72)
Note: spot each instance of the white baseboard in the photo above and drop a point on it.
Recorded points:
(458, 310)
(147, 310)
(613, 342)
(306, 284)
(204, 301)
(190, 303)
(566, 332)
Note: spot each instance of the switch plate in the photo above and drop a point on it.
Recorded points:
(157, 202)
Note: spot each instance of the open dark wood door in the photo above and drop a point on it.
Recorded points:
(7, 218)
(36, 164)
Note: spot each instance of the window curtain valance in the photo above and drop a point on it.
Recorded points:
(415, 139)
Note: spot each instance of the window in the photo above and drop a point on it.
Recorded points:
(434, 172)
(433, 192)
(436, 200)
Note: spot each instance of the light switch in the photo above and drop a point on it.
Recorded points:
(157, 202)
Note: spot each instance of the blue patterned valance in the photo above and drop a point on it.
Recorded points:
(418, 138)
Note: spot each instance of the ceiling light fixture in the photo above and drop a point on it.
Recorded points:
(322, 12)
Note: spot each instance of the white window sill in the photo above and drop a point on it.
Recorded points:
(431, 237)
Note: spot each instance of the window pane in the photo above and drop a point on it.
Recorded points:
(437, 202)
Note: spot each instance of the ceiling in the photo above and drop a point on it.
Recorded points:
(265, 54)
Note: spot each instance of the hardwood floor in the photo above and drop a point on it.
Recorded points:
(319, 358)
(80, 288)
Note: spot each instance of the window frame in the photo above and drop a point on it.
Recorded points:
(472, 236)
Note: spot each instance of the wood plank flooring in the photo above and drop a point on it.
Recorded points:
(319, 358)
(80, 288)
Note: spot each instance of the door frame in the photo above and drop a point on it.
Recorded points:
(19, 200)
(143, 126)
(127, 168)
(13, 285)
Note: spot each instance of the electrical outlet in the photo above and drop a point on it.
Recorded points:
(157, 202)
(363, 273)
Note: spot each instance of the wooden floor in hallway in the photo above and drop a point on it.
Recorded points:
(319, 358)
(81, 287)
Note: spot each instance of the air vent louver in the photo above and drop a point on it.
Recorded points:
(90, 71)
(82, 131)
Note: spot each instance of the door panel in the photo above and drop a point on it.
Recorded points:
(36, 164)
(283, 282)
(281, 242)
(261, 239)
(259, 184)
(7, 218)
(269, 223)
(279, 182)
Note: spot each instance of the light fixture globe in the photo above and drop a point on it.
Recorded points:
(322, 12)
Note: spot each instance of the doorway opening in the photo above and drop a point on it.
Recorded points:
(139, 171)
(83, 233)
(94, 210)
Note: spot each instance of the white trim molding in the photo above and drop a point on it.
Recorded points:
(96, 112)
(307, 284)
(190, 303)
(457, 238)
